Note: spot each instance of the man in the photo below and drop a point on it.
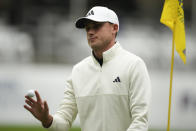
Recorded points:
(109, 90)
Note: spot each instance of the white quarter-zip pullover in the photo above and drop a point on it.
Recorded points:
(111, 97)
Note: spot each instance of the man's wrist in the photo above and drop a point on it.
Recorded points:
(48, 122)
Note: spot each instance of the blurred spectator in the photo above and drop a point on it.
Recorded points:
(15, 46)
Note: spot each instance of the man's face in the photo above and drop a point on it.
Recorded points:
(99, 34)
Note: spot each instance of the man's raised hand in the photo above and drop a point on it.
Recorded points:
(39, 109)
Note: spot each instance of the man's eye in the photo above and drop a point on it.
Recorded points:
(87, 28)
(94, 26)
(97, 26)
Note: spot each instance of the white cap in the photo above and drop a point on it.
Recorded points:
(98, 14)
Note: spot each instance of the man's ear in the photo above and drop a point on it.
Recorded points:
(116, 27)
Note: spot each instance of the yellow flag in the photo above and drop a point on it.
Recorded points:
(173, 17)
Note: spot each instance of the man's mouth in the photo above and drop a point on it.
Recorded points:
(92, 38)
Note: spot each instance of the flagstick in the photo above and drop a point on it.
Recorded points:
(171, 79)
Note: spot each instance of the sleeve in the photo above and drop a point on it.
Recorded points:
(67, 111)
(139, 96)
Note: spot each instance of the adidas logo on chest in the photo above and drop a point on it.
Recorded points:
(117, 79)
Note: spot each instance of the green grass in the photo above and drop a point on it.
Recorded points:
(28, 128)
(36, 128)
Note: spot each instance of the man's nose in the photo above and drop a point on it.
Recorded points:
(90, 31)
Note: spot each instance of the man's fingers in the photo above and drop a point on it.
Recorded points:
(28, 108)
(38, 96)
(30, 99)
(29, 102)
(46, 106)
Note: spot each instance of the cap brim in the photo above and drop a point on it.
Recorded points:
(81, 22)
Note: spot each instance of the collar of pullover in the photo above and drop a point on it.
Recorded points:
(110, 53)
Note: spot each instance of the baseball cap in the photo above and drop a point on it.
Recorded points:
(98, 14)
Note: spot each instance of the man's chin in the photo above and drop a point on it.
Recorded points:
(95, 46)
